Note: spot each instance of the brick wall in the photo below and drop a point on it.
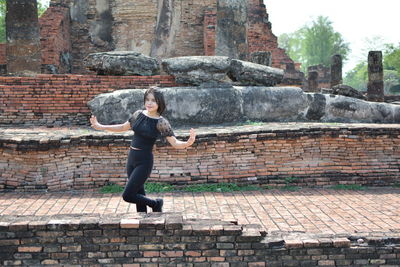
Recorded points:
(55, 40)
(168, 239)
(134, 24)
(260, 36)
(210, 24)
(312, 154)
(190, 36)
(61, 99)
(3, 59)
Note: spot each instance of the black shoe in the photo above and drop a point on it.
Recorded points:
(159, 205)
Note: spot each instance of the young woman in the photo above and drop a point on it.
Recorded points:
(147, 125)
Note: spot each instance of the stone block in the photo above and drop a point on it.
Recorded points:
(123, 63)
(198, 70)
(252, 74)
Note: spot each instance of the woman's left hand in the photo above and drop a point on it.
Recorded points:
(192, 137)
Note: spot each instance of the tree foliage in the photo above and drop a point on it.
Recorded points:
(392, 58)
(41, 9)
(358, 77)
(315, 43)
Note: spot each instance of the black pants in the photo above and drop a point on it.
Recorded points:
(139, 166)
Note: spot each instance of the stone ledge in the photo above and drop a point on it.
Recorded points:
(199, 227)
(41, 138)
(82, 239)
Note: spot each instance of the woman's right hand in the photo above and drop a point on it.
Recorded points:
(94, 123)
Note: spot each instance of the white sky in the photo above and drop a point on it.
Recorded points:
(354, 19)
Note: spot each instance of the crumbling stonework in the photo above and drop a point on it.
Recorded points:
(168, 28)
(55, 41)
(324, 75)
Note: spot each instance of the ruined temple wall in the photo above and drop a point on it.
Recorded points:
(61, 99)
(168, 28)
(55, 40)
(134, 24)
(260, 36)
(108, 25)
(91, 28)
(190, 37)
(312, 154)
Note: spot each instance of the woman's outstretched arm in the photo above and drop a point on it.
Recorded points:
(111, 128)
(182, 145)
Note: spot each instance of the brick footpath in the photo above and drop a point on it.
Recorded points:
(315, 211)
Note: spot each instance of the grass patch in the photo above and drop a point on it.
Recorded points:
(221, 187)
(158, 188)
(288, 184)
(348, 187)
(290, 188)
(111, 189)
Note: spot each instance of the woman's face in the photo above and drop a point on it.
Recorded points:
(151, 104)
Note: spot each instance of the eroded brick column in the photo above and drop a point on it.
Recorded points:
(375, 76)
(336, 70)
(23, 38)
(313, 81)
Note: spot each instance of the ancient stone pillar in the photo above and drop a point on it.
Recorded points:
(23, 38)
(231, 33)
(336, 70)
(261, 57)
(313, 81)
(375, 90)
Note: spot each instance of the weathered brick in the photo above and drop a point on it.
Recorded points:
(22, 256)
(171, 254)
(193, 253)
(326, 263)
(9, 242)
(30, 249)
(96, 255)
(256, 264)
(341, 242)
(49, 262)
(151, 247)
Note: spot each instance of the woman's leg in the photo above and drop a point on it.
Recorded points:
(141, 207)
(130, 166)
(140, 164)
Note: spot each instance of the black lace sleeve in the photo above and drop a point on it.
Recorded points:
(164, 128)
(134, 117)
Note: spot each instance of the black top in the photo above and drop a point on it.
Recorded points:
(147, 130)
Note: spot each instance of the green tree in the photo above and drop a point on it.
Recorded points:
(392, 58)
(358, 77)
(41, 9)
(292, 43)
(315, 43)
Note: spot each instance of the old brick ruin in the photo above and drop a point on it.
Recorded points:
(71, 29)
(170, 240)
